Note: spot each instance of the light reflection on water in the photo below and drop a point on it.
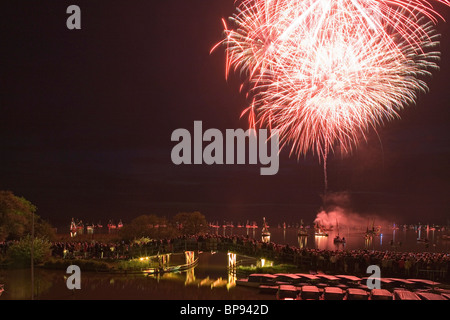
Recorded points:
(391, 240)
(210, 279)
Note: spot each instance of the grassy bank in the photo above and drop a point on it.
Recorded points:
(93, 265)
(85, 265)
(277, 268)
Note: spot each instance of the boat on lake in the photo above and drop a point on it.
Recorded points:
(287, 292)
(319, 231)
(302, 232)
(374, 232)
(256, 279)
(265, 233)
(338, 239)
(430, 296)
(402, 294)
(356, 294)
(309, 293)
(333, 293)
(380, 294)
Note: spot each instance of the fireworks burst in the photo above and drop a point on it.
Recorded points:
(323, 72)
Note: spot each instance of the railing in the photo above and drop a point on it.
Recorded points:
(257, 250)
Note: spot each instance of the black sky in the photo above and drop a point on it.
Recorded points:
(86, 118)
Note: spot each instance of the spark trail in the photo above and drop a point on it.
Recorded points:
(325, 72)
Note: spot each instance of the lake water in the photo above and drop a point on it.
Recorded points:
(391, 240)
(208, 280)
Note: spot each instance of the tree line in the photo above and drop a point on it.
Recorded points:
(18, 215)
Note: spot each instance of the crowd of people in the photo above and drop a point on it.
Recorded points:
(392, 263)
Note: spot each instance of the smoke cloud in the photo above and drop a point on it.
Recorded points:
(337, 210)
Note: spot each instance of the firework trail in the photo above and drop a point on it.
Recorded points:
(323, 72)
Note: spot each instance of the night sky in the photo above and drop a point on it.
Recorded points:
(86, 118)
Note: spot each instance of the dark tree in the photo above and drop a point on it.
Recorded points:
(191, 222)
(16, 215)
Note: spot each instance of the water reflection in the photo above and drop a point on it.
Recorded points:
(22, 283)
(232, 277)
(232, 270)
(399, 239)
(190, 276)
(368, 243)
(302, 242)
(321, 242)
(212, 273)
(328, 243)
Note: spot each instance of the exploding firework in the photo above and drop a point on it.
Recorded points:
(323, 72)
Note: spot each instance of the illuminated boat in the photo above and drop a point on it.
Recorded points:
(380, 294)
(214, 225)
(402, 294)
(255, 280)
(349, 280)
(333, 293)
(307, 278)
(338, 239)
(309, 293)
(111, 225)
(446, 295)
(90, 229)
(385, 283)
(430, 296)
(319, 231)
(268, 288)
(265, 234)
(302, 232)
(287, 278)
(287, 292)
(73, 228)
(375, 231)
(327, 280)
(424, 284)
(265, 229)
(356, 294)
